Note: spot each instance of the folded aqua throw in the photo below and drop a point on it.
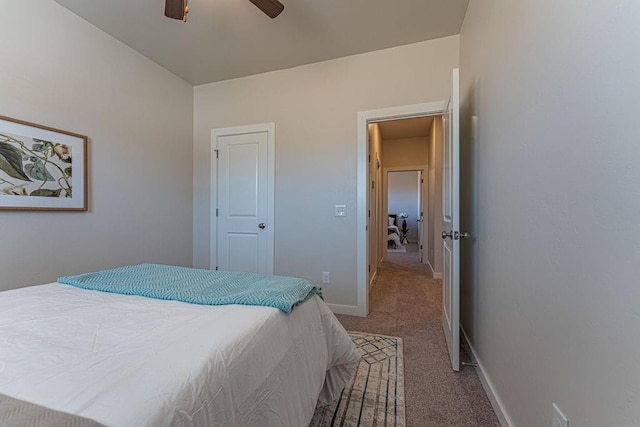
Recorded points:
(198, 286)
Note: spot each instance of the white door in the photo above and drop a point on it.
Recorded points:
(244, 231)
(451, 224)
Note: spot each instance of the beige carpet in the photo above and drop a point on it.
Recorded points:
(406, 302)
(400, 250)
(375, 394)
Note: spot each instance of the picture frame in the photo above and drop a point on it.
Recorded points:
(41, 168)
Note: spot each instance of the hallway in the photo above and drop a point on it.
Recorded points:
(406, 302)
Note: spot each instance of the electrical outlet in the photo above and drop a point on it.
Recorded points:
(340, 210)
(559, 420)
(326, 277)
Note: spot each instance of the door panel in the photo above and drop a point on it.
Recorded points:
(242, 250)
(446, 286)
(244, 234)
(451, 226)
(243, 169)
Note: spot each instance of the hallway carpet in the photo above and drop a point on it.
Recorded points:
(405, 302)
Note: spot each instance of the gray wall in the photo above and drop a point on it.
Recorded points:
(315, 110)
(550, 158)
(60, 71)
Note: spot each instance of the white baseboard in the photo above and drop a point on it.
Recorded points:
(496, 403)
(433, 273)
(349, 310)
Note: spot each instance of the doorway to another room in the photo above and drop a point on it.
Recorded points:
(406, 194)
(370, 216)
(398, 301)
(405, 216)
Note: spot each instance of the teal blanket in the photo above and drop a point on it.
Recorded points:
(198, 286)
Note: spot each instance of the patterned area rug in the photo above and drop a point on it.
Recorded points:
(375, 394)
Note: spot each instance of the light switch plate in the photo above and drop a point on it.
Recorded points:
(340, 210)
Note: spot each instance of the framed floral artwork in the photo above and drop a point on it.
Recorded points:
(41, 168)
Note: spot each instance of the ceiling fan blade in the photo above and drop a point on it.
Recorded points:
(271, 8)
(174, 9)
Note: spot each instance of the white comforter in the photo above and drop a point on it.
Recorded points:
(395, 229)
(132, 361)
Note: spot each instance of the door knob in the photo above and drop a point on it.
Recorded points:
(261, 225)
(456, 235)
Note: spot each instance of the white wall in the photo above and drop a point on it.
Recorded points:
(405, 152)
(434, 217)
(60, 71)
(377, 219)
(403, 188)
(550, 148)
(315, 110)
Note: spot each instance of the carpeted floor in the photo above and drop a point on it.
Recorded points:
(405, 302)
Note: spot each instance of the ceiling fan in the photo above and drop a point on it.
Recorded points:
(178, 9)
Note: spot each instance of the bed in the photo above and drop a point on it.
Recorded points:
(128, 360)
(393, 232)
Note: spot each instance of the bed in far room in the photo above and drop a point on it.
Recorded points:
(393, 232)
(130, 360)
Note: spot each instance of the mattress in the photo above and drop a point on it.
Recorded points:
(124, 360)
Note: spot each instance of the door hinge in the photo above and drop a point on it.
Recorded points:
(373, 185)
(420, 247)
(421, 181)
(369, 158)
(369, 213)
(217, 153)
(216, 211)
(369, 268)
(366, 228)
(216, 268)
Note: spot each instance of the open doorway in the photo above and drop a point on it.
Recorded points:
(372, 219)
(405, 215)
(368, 121)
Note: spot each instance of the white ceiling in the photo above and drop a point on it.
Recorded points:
(232, 38)
(406, 128)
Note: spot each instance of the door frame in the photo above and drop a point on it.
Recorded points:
(385, 195)
(270, 129)
(363, 119)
